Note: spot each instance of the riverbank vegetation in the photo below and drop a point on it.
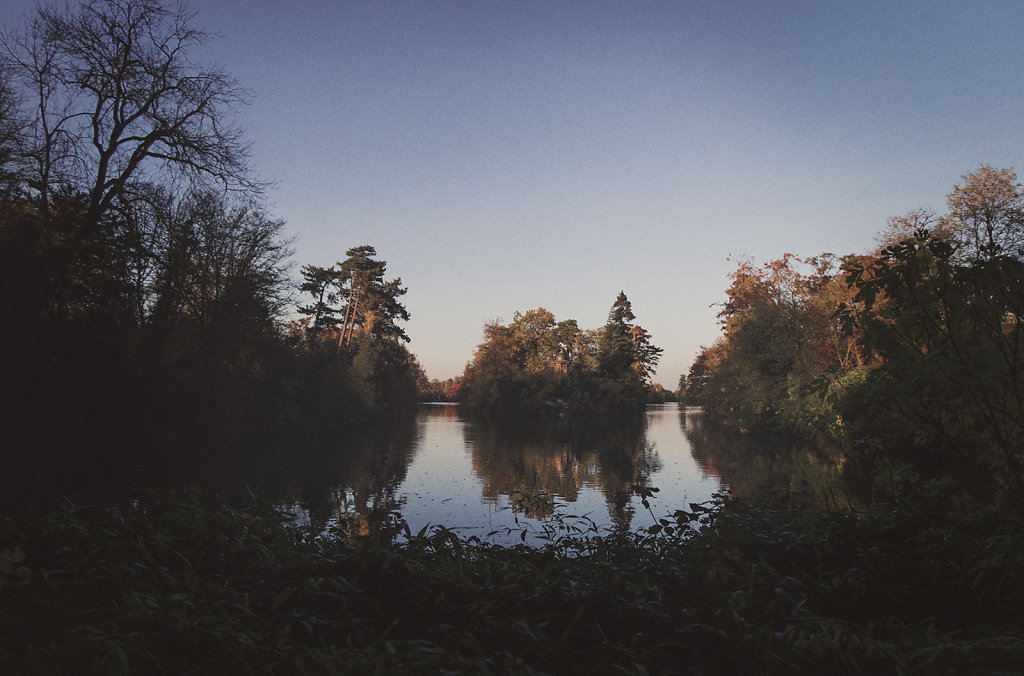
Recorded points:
(909, 358)
(182, 584)
(145, 284)
(538, 366)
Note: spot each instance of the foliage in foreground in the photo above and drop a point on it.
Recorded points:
(181, 585)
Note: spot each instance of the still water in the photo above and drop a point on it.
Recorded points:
(498, 483)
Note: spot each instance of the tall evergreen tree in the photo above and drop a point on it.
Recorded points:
(615, 345)
(370, 302)
(321, 284)
(625, 350)
(645, 353)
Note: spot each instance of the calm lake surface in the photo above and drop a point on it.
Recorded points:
(496, 483)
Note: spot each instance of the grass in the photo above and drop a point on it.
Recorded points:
(181, 583)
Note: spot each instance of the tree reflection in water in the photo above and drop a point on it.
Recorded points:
(482, 478)
(438, 468)
(535, 466)
(509, 470)
(485, 478)
(767, 469)
(352, 483)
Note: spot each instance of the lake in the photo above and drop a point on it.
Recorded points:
(481, 479)
(497, 483)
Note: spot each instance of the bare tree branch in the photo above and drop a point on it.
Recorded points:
(117, 99)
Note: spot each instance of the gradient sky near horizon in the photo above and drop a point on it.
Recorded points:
(515, 155)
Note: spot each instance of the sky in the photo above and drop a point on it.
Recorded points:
(505, 156)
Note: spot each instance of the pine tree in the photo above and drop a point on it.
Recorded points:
(625, 348)
(370, 302)
(615, 345)
(321, 283)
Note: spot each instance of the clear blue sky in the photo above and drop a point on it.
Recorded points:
(506, 156)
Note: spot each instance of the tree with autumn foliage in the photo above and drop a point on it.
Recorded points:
(986, 215)
(351, 322)
(943, 317)
(985, 218)
(911, 356)
(782, 349)
(537, 364)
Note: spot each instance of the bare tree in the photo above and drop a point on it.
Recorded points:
(116, 99)
(218, 263)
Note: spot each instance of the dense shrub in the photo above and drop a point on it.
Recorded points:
(180, 584)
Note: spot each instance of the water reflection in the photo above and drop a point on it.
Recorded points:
(355, 479)
(485, 480)
(491, 481)
(534, 468)
(761, 469)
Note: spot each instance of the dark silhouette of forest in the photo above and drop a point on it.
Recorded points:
(145, 285)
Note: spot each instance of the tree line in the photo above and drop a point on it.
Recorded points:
(539, 365)
(146, 287)
(911, 357)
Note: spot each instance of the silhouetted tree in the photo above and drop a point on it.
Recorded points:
(11, 167)
(615, 345)
(624, 349)
(321, 284)
(220, 265)
(113, 98)
(949, 389)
